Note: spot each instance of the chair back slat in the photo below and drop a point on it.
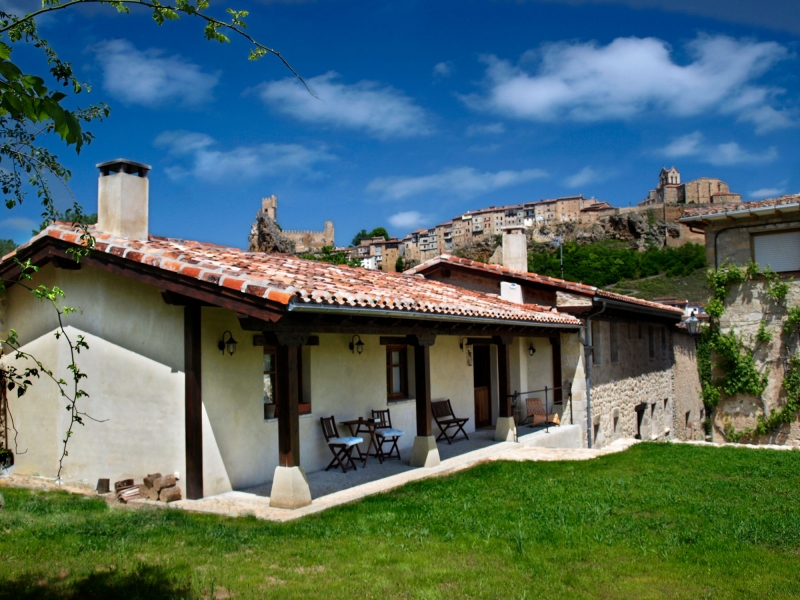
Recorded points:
(534, 406)
(385, 418)
(442, 409)
(329, 428)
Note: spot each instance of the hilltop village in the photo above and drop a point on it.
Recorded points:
(573, 218)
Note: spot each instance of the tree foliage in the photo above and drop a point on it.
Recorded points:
(364, 235)
(605, 263)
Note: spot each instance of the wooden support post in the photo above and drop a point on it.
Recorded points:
(422, 381)
(425, 452)
(288, 407)
(193, 404)
(504, 379)
(289, 484)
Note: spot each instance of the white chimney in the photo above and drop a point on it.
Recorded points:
(515, 248)
(122, 198)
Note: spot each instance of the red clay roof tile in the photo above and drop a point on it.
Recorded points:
(284, 279)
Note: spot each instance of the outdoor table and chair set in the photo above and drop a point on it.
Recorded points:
(383, 437)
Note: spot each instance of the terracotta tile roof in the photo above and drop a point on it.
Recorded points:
(731, 208)
(286, 279)
(563, 284)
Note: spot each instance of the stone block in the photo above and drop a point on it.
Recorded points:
(289, 488)
(425, 452)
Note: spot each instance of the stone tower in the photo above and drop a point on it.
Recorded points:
(270, 206)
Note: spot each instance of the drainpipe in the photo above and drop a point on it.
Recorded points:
(589, 349)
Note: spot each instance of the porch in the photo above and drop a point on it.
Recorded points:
(334, 488)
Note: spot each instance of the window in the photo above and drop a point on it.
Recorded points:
(271, 367)
(396, 372)
(640, 332)
(781, 251)
(597, 356)
(651, 342)
(630, 331)
(664, 347)
(613, 340)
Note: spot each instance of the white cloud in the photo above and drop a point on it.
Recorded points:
(381, 111)
(443, 69)
(462, 181)
(726, 154)
(409, 220)
(149, 78)
(203, 161)
(488, 129)
(21, 223)
(584, 177)
(632, 76)
(767, 193)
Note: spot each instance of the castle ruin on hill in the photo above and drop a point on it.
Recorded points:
(276, 239)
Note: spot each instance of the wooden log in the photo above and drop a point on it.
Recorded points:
(124, 483)
(170, 494)
(150, 479)
(152, 494)
(164, 482)
(143, 490)
(103, 486)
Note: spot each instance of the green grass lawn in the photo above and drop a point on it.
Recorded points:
(657, 521)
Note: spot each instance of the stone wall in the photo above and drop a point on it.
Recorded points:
(689, 411)
(632, 380)
(744, 310)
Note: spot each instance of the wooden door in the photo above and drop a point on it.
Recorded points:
(482, 381)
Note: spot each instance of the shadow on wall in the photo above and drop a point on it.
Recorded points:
(143, 582)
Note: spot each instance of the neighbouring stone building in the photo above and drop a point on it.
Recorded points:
(635, 376)
(767, 233)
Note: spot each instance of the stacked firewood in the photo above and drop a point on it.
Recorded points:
(156, 486)
(126, 490)
(160, 487)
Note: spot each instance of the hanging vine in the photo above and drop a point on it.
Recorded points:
(729, 353)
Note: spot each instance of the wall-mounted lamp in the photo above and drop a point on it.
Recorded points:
(356, 346)
(461, 343)
(531, 350)
(692, 323)
(229, 344)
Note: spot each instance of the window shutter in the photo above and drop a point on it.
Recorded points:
(781, 251)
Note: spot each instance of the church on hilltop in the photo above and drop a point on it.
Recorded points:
(705, 190)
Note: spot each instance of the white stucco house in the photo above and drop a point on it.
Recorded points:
(154, 311)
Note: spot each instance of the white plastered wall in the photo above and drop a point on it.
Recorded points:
(135, 380)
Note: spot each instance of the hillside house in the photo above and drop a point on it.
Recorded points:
(161, 316)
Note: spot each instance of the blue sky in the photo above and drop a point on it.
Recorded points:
(430, 109)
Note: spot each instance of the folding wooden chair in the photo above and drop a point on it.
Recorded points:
(537, 413)
(386, 434)
(446, 420)
(342, 447)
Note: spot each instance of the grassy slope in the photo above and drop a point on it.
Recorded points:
(692, 287)
(658, 521)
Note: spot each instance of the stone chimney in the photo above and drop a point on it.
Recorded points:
(515, 248)
(122, 198)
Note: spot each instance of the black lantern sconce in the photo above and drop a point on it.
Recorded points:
(531, 350)
(227, 344)
(461, 343)
(693, 323)
(356, 346)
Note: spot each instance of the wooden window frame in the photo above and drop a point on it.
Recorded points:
(305, 407)
(403, 393)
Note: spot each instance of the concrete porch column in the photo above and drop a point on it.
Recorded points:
(289, 484)
(425, 453)
(506, 428)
